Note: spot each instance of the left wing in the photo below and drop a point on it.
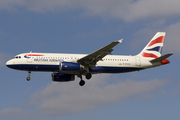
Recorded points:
(91, 59)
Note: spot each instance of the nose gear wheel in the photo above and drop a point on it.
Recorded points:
(28, 78)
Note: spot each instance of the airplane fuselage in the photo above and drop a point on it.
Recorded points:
(51, 62)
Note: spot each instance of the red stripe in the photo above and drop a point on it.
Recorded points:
(33, 55)
(157, 40)
(149, 55)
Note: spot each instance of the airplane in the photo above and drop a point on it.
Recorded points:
(65, 67)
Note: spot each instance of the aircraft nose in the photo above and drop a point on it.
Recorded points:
(9, 63)
(12, 64)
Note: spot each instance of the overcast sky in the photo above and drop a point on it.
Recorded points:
(81, 26)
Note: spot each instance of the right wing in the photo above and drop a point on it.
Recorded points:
(91, 59)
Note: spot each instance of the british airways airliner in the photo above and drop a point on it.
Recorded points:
(65, 67)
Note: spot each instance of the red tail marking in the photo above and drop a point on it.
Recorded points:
(149, 55)
(157, 40)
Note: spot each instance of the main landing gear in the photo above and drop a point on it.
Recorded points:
(82, 82)
(88, 76)
(28, 78)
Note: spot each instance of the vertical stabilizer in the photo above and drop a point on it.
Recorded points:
(154, 48)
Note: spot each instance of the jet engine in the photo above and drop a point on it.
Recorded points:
(60, 77)
(70, 66)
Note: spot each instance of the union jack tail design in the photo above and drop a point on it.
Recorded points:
(154, 48)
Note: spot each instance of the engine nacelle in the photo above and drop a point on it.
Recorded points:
(60, 77)
(70, 66)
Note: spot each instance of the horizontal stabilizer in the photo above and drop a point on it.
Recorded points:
(159, 59)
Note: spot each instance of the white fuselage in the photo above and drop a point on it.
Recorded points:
(51, 62)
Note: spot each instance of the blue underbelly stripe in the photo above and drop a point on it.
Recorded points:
(99, 69)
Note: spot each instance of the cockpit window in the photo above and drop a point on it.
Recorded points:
(17, 57)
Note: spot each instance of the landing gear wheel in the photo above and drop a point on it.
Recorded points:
(81, 83)
(88, 76)
(28, 78)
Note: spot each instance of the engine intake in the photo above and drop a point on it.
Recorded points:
(70, 66)
(60, 77)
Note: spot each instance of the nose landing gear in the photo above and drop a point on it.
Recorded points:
(28, 78)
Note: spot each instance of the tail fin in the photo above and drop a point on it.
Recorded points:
(154, 48)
